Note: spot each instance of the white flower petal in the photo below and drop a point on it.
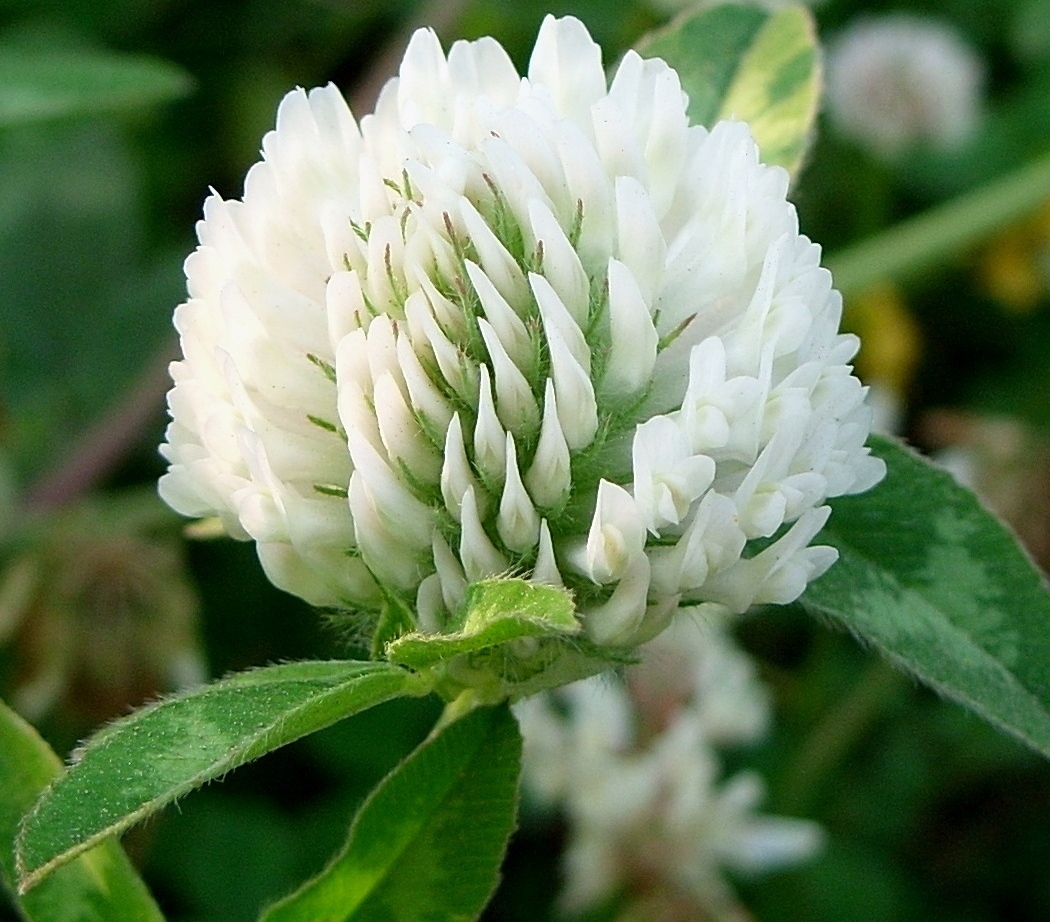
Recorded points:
(562, 268)
(490, 438)
(394, 502)
(517, 522)
(450, 572)
(633, 339)
(545, 570)
(402, 437)
(668, 477)
(484, 67)
(430, 606)
(515, 405)
(345, 306)
(640, 243)
(478, 555)
(616, 536)
(577, 408)
(513, 336)
(549, 479)
(456, 475)
(615, 622)
(567, 62)
(557, 318)
(388, 559)
(427, 400)
(423, 91)
(459, 375)
(496, 262)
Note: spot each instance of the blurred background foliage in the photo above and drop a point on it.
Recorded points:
(930, 814)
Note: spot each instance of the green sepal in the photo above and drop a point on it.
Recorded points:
(395, 619)
(496, 611)
(512, 638)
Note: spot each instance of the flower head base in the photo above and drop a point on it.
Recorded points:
(534, 325)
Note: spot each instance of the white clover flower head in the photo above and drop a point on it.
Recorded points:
(900, 81)
(696, 665)
(537, 325)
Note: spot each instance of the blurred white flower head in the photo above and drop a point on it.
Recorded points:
(534, 324)
(642, 789)
(901, 81)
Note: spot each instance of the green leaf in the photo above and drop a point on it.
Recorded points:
(37, 85)
(941, 588)
(141, 763)
(512, 638)
(101, 885)
(743, 62)
(428, 842)
(496, 611)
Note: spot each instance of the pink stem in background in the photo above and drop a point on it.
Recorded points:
(97, 452)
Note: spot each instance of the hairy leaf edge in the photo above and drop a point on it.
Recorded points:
(412, 685)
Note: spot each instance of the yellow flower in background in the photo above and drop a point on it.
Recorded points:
(1014, 268)
(890, 336)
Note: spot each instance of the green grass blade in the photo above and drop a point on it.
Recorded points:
(39, 85)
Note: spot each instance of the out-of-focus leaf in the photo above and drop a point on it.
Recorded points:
(428, 842)
(940, 587)
(743, 62)
(101, 885)
(38, 85)
(141, 763)
(83, 311)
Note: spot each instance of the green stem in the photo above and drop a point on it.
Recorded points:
(929, 239)
(833, 738)
(458, 707)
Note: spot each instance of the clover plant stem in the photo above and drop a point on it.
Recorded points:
(834, 737)
(928, 240)
(463, 704)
